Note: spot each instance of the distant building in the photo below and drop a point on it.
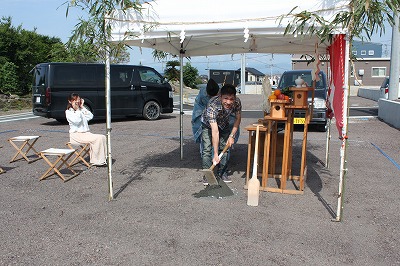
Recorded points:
(233, 76)
(366, 49)
(369, 72)
(253, 74)
(204, 78)
(370, 68)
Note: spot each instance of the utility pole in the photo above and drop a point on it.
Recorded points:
(271, 65)
(243, 74)
(270, 69)
(394, 61)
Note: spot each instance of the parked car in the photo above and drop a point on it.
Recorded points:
(384, 90)
(239, 89)
(319, 118)
(135, 90)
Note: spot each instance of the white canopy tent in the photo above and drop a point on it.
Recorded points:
(209, 27)
(212, 27)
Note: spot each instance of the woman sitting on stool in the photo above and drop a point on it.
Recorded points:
(78, 117)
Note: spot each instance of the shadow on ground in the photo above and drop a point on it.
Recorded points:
(191, 161)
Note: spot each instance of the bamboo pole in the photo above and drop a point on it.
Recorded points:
(108, 125)
(344, 137)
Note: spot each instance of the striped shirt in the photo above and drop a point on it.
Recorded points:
(216, 113)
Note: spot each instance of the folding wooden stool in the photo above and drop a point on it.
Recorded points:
(63, 155)
(1, 169)
(26, 142)
(80, 153)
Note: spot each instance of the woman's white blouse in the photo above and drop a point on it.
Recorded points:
(78, 120)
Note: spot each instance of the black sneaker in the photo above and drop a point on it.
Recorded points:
(226, 178)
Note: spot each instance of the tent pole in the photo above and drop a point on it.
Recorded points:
(344, 137)
(243, 74)
(394, 61)
(328, 143)
(181, 102)
(328, 131)
(108, 124)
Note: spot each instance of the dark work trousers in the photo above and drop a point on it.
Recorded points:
(207, 153)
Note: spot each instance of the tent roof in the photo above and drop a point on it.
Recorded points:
(212, 27)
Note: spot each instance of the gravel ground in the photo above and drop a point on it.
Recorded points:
(156, 220)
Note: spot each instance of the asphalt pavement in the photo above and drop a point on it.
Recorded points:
(155, 218)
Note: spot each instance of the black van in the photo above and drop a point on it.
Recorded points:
(319, 118)
(135, 90)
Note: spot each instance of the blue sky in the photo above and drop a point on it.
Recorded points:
(48, 17)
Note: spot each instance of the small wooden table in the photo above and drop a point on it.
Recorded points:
(62, 156)
(28, 142)
(270, 153)
(303, 166)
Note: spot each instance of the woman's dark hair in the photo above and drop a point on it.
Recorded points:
(228, 89)
(71, 98)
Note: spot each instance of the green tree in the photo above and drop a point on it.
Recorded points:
(171, 72)
(8, 78)
(119, 54)
(60, 53)
(159, 55)
(24, 49)
(95, 32)
(83, 52)
(33, 49)
(364, 18)
(190, 75)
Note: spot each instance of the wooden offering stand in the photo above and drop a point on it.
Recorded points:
(282, 111)
(300, 102)
(300, 95)
(278, 108)
(268, 135)
(300, 98)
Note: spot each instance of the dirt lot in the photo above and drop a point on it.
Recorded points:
(156, 220)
